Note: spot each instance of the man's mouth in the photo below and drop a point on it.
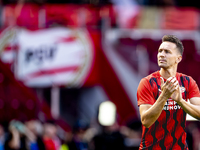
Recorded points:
(162, 61)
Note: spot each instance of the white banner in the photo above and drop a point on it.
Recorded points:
(55, 56)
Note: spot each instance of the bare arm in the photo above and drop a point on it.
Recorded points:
(30, 135)
(192, 108)
(150, 113)
(15, 141)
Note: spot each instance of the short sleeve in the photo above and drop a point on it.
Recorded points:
(145, 93)
(193, 89)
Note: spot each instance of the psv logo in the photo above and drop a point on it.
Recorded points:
(182, 89)
(56, 56)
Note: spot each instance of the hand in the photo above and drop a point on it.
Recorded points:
(169, 87)
(177, 95)
(13, 129)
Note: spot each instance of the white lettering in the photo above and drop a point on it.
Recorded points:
(40, 54)
(171, 107)
(167, 107)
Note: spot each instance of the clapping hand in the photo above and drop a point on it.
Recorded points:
(171, 88)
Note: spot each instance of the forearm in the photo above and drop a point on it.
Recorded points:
(150, 113)
(15, 141)
(193, 110)
(149, 116)
(30, 136)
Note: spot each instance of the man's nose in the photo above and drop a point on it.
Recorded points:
(162, 53)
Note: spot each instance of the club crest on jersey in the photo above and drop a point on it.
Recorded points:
(182, 89)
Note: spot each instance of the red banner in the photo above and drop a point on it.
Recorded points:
(34, 16)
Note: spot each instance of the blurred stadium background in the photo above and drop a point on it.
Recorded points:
(60, 59)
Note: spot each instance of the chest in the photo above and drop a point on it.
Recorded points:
(156, 88)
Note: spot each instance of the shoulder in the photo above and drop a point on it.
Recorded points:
(183, 75)
(149, 80)
(152, 78)
(153, 75)
(188, 82)
(185, 78)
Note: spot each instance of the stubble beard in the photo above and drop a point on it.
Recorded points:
(162, 66)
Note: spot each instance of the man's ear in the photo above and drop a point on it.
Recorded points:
(178, 59)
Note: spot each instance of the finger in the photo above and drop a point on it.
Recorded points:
(174, 86)
(176, 83)
(171, 83)
(162, 81)
(177, 87)
(168, 80)
(173, 80)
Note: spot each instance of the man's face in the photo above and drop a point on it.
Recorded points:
(168, 55)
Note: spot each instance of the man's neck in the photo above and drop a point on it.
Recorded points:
(166, 73)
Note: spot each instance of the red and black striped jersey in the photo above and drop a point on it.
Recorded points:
(168, 132)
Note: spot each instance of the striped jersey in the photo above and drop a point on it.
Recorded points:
(168, 132)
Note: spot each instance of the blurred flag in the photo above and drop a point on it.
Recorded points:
(126, 12)
(55, 56)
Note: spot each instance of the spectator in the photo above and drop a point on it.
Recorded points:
(78, 142)
(50, 138)
(2, 137)
(36, 128)
(16, 139)
(133, 133)
(109, 139)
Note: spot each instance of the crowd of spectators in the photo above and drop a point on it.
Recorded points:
(35, 135)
